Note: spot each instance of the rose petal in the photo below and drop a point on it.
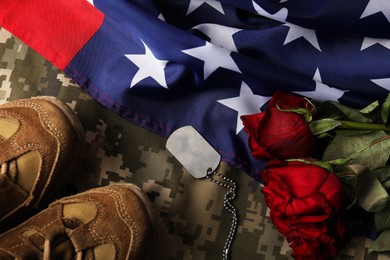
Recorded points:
(300, 178)
(288, 101)
(251, 124)
(275, 134)
(305, 201)
(334, 192)
(312, 209)
(285, 135)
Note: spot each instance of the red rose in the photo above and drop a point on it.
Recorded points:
(305, 201)
(276, 134)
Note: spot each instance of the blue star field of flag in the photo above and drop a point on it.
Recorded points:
(166, 64)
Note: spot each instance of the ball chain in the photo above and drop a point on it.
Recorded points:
(230, 196)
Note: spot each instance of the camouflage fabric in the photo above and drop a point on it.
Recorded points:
(192, 222)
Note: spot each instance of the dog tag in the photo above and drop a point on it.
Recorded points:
(193, 151)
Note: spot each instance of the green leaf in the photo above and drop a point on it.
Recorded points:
(347, 174)
(369, 148)
(382, 219)
(371, 107)
(381, 244)
(385, 112)
(370, 193)
(323, 125)
(383, 175)
(349, 184)
(343, 112)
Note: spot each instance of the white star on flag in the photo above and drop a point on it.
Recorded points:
(280, 16)
(149, 66)
(246, 103)
(368, 42)
(322, 91)
(194, 4)
(161, 17)
(384, 83)
(377, 6)
(219, 35)
(214, 57)
(91, 2)
(296, 32)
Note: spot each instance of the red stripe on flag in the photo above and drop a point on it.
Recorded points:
(55, 29)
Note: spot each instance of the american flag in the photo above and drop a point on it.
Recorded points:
(169, 63)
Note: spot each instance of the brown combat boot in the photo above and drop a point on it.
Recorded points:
(40, 139)
(106, 223)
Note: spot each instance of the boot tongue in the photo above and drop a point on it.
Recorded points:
(9, 169)
(60, 246)
(23, 170)
(71, 223)
(7, 128)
